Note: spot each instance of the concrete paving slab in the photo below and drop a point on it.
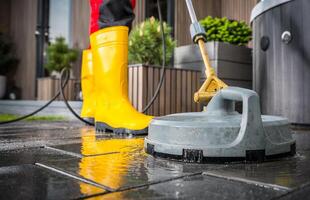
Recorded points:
(81, 156)
(31, 182)
(24, 107)
(36, 136)
(129, 167)
(302, 139)
(99, 144)
(289, 172)
(30, 156)
(299, 193)
(197, 187)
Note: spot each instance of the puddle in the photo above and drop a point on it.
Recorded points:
(128, 166)
(289, 172)
(120, 162)
(30, 182)
(197, 187)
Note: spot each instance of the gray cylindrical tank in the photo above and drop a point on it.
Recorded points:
(282, 58)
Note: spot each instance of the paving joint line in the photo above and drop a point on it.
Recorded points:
(102, 154)
(74, 176)
(295, 189)
(78, 155)
(242, 180)
(142, 185)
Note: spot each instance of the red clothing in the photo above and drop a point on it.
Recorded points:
(95, 13)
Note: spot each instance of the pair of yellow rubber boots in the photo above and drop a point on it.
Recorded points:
(105, 84)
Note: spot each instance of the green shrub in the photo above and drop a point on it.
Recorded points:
(60, 56)
(145, 43)
(224, 30)
(8, 60)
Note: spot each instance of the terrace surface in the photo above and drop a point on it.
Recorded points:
(65, 160)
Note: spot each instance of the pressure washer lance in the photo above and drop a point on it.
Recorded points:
(212, 84)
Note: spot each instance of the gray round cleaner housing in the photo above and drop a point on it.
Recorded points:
(220, 134)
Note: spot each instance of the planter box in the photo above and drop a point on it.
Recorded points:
(48, 87)
(233, 64)
(176, 94)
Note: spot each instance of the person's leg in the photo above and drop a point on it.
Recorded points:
(107, 13)
(88, 87)
(87, 69)
(109, 47)
(104, 13)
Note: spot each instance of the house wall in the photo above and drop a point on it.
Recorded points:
(22, 16)
(18, 18)
(139, 11)
(5, 9)
(238, 9)
(80, 21)
(80, 27)
(79, 30)
(182, 20)
(232, 9)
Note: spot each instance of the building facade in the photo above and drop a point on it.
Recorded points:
(33, 23)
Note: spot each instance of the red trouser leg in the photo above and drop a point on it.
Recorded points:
(106, 13)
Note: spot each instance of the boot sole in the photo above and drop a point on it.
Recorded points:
(103, 127)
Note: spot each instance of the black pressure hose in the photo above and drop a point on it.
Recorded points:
(163, 68)
(67, 73)
(62, 86)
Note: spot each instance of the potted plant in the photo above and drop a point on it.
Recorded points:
(145, 43)
(59, 57)
(8, 62)
(226, 46)
(145, 59)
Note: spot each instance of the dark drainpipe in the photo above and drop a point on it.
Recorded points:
(42, 35)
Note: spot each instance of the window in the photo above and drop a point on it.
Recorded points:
(60, 19)
(167, 9)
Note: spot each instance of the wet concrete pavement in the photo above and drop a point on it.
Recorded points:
(70, 161)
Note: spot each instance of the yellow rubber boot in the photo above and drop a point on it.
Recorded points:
(113, 109)
(88, 87)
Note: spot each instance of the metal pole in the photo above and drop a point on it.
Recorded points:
(191, 11)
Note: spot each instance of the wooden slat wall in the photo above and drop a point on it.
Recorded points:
(5, 10)
(80, 24)
(238, 9)
(79, 30)
(22, 22)
(139, 11)
(176, 94)
(182, 20)
(80, 21)
(23, 17)
(232, 9)
(80, 27)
